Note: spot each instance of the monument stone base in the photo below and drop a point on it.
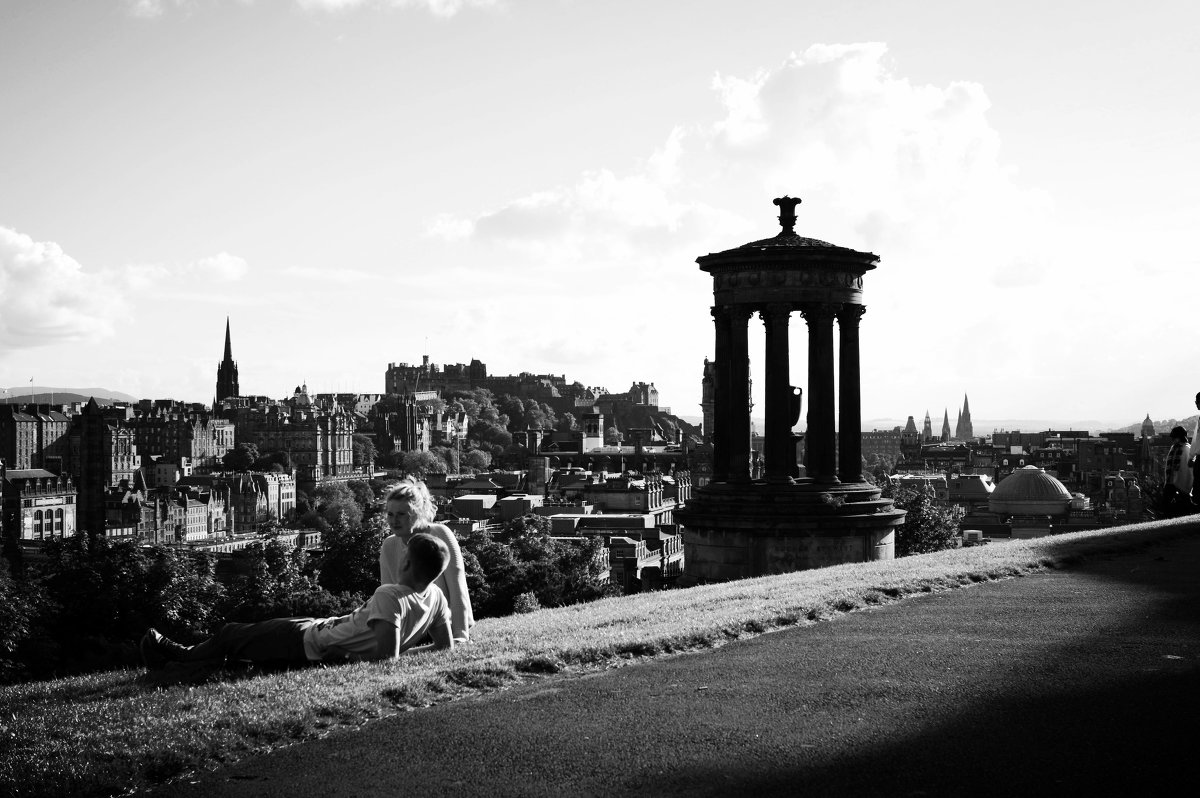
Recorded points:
(740, 530)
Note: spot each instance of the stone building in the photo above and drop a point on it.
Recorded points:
(405, 379)
(107, 455)
(36, 504)
(179, 437)
(34, 436)
(253, 498)
(319, 443)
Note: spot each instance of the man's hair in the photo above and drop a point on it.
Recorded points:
(1198, 396)
(417, 495)
(428, 556)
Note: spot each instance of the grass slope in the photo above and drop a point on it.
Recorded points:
(117, 732)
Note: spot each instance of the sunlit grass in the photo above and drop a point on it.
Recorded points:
(109, 733)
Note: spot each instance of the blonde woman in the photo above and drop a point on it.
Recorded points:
(410, 509)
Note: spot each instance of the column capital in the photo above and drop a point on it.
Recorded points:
(848, 312)
(741, 312)
(775, 310)
(819, 311)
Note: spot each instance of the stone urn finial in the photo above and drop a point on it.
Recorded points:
(787, 213)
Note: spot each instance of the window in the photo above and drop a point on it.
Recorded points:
(37, 524)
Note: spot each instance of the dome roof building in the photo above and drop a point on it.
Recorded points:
(1148, 427)
(1030, 491)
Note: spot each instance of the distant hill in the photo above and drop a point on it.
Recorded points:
(41, 394)
(1188, 424)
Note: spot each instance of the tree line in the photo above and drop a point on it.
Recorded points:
(84, 604)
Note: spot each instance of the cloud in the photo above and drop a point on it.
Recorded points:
(47, 298)
(911, 170)
(153, 9)
(439, 8)
(219, 268)
(338, 275)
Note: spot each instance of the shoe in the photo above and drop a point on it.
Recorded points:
(157, 649)
(151, 656)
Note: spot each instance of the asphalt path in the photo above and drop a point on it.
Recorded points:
(1076, 682)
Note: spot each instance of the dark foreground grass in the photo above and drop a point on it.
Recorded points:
(121, 732)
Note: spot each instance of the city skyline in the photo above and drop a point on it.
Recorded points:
(529, 184)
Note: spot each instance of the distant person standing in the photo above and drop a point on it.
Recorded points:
(1194, 462)
(410, 509)
(1177, 476)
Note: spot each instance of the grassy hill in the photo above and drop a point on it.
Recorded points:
(123, 731)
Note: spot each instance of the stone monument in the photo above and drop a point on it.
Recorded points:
(736, 526)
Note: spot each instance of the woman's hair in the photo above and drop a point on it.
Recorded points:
(1179, 433)
(417, 495)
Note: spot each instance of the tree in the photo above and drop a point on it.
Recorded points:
(613, 437)
(103, 594)
(567, 422)
(351, 560)
(333, 500)
(278, 461)
(21, 602)
(365, 453)
(278, 583)
(477, 460)
(363, 495)
(514, 456)
(451, 457)
(927, 527)
(241, 458)
(514, 408)
(420, 464)
(524, 559)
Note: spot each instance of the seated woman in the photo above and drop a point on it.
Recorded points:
(410, 510)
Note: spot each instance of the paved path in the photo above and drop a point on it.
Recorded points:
(1068, 683)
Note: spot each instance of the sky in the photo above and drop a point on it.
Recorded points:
(355, 183)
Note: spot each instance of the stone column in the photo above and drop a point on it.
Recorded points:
(721, 407)
(780, 452)
(849, 395)
(739, 395)
(821, 454)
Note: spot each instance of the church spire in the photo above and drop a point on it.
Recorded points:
(946, 425)
(227, 373)
(965, 431)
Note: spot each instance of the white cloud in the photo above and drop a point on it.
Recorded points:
(220, 268)
(439, 8)
(912, 172)
(334, 275)
(47, 298)
(153, 9)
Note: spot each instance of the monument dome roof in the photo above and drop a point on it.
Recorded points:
(787, 246)
(1030, 491)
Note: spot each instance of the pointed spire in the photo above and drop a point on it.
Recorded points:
(965, 430)
(946, 424)
(227, 374)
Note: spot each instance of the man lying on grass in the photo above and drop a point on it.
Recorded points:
(392, 621)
